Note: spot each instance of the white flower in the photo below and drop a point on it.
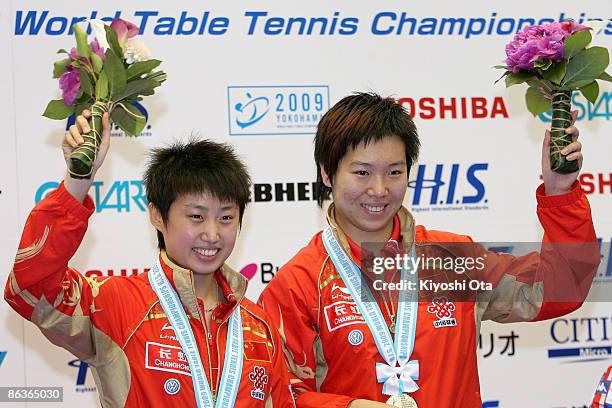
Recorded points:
(97, 27)
(136, 51)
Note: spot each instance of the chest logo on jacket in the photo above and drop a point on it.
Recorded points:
(167, 332)
(443, 309)
(172, 386)
(164, 357)
(340, 292)
(259, 378)
(340, 314)
(355, 337)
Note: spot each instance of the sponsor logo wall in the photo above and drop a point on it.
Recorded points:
(260, 76)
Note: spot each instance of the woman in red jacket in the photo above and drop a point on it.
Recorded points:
(181, 334)
(347, 348)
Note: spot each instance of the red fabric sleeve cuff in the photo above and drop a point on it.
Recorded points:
(72, 205)
(559, 200)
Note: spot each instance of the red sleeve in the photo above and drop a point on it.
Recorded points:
(291, 303)
(554, 281)
(41, 287)
(568, 233)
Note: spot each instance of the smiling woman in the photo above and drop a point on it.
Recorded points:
(364, 147)
(369, 187)
(199, 231)
(197, 193)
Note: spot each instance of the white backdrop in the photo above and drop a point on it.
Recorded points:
(440, 69)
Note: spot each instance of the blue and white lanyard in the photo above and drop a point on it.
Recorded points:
(232, 368)
(399, 373)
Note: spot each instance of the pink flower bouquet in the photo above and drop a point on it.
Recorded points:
(553, 59)
(108, 74)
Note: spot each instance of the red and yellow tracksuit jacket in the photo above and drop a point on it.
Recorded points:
(117, 325)
(317, 317)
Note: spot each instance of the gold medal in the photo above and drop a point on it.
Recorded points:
(402, 401)
(392, 327)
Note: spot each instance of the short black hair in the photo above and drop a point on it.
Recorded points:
(357, 119)
(200, 167)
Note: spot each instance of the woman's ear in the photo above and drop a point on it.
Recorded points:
(155, 217)
(325, 177)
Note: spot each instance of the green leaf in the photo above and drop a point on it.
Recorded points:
(501, 77)
(57, 109)
(500, 66)
(102, 87)
(517, 78)
(605, 77)
(556, 72)
(62, 51)
(115, 73)
(159, 76)
(536, 102)
(138, 87)
(572, 86)
(83, 48)
(542, 63)
(131, 121)
(590, 92)
(543, 86)
(142, 67)
(97, 62)
(59, 67)
(86, 86)
(76, 64)
(113, 41)
(586, 66)
(576, 43)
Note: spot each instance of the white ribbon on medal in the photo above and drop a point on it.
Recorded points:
(232, 368)
(399, 374)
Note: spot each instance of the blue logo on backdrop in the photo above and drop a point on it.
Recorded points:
(81, 376)
(116, 131)
(121, 196)
(252, 110)
(275, 110)
(2, 356)
(455, 189)
(490, 404)
(588, 338)
(586, 110)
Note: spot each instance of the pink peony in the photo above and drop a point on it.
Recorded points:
(536, 42)
(70, 83)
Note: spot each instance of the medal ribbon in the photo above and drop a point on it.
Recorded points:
(399, 373)
(232, 368)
